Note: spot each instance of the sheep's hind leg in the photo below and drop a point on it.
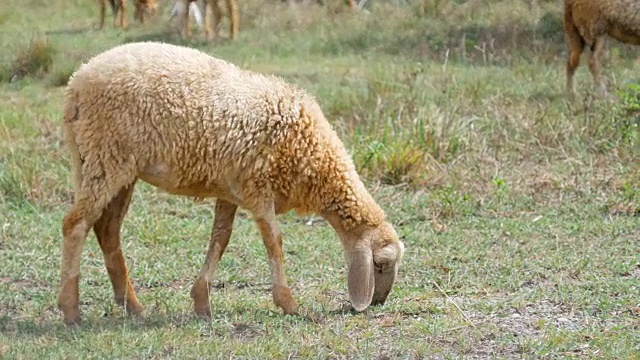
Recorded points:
(272, 239)
(88, 207)
(75, 226)
(103, 11)
(596, 53)
(220, 233)
(576, 46)
(107, 230)
(232, 10)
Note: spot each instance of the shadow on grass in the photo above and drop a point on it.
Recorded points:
(28, 328)
(33, 328)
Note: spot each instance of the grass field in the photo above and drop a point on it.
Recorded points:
(520, 211)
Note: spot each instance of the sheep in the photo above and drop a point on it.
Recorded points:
(197, 126)
(194, 11)
(587, 22)
(143, 9)
(211, 31)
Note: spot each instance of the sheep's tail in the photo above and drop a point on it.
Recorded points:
(71, 115)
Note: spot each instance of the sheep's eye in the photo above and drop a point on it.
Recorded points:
(379, 267)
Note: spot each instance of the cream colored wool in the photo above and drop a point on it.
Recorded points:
(197, 126)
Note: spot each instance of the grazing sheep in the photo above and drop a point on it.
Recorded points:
(144, 9)
(212, 30)
(587, 22)
(194, 12)
(198, 126)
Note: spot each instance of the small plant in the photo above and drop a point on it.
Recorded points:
(629, 112)
(550, 26)
(391, 162)
(60, 76)
(34, 60)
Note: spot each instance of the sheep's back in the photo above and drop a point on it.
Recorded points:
(597, 17)
(202, 117)
(622, 13)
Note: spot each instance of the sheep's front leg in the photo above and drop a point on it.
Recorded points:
(212, 30)
(596, 53)
(103, 12)
(576, 46)
(232, 10)
(120, 18)
(186, 29)
(220, 233)
(273, 242)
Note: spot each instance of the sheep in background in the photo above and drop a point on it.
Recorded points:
(194, 12)
(212, 30)
(198, 126)
(587, 22)
(144, 9)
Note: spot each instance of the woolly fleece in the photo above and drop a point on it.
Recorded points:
(198, 126)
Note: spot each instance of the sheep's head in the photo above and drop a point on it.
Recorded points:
(373, 266)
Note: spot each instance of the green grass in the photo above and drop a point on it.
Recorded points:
(520, 211)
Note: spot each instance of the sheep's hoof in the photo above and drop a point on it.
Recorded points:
(73, 322)
(283, 299)
(135, 309)
(133, 306)
(202, 312)
(200, 296)
(70, 314)
(292, 310)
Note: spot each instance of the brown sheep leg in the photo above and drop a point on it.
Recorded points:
(232, 10)
(186, 29)
(576, 46)
(138, 13)
(107, 230)
(220, 233)
(572, 65)
(272, 239)
(121, 10)
(212, 30)
(596, 52)
(103, 11)
(75, 227)
(93, 196)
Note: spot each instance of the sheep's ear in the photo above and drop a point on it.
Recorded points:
(360, 279)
